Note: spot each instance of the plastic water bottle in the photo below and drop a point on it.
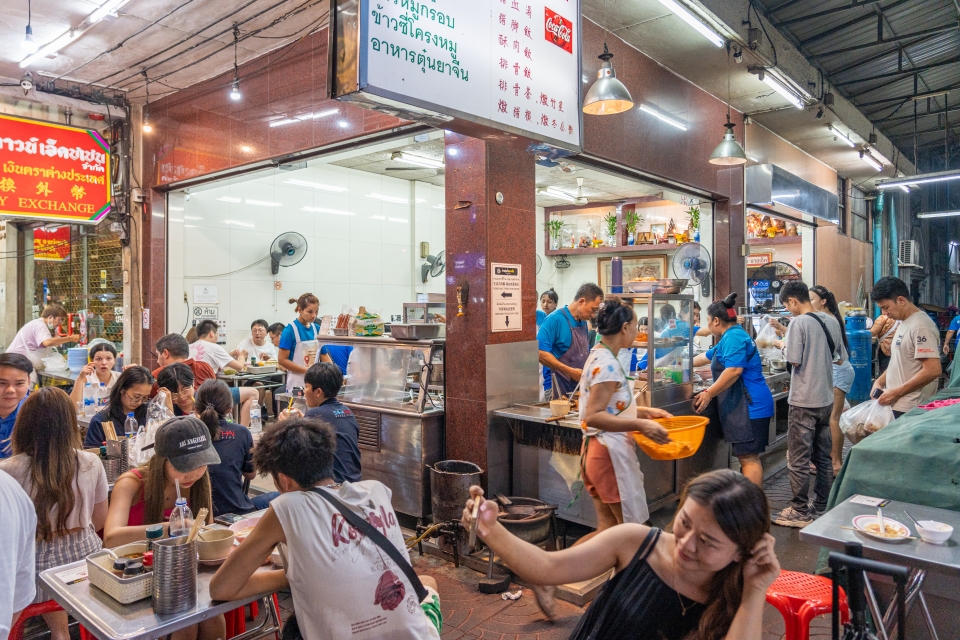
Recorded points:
(104, 398)
(255, 425)
(89, 400)
(130, 425)
(181, 519)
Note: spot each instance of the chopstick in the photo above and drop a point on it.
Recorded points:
(200, 519)
(474, 521)
(109, 432)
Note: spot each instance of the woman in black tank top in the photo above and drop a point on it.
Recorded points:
(705, 581)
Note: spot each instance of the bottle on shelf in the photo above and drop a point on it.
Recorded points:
(130, 425)
(181, 519)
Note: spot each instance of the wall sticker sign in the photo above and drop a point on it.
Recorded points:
(505, 297)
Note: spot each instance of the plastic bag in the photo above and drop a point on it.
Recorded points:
(767, 335)
(864, 419)
(141, 445)
(368, 324)
(55, 362)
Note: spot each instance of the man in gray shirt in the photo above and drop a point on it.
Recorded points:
(813, 343)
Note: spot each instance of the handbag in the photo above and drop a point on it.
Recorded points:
(291, 629)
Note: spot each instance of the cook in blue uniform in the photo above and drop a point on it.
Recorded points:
(563, 339)
(744, 402)
(548, 304)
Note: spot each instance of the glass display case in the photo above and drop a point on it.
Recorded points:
(665, 379)
(420, 312)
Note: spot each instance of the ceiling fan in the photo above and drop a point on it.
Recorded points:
(579, 198)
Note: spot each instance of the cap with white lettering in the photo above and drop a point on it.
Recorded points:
(185, 442)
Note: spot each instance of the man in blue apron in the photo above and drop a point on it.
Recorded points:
(563, 339)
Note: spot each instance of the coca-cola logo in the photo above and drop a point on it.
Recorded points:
(558, 30)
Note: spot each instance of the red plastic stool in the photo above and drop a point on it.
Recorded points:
(237, 619)
(50, 606)
(801, 597)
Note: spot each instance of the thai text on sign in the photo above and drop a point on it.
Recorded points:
(53, 172)
(51, 244)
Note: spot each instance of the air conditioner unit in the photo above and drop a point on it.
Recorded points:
(909, 253)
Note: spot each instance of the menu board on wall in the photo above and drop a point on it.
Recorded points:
(53, 172)
(513, 65)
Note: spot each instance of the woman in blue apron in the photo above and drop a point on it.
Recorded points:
(744, 403)
(298, 342)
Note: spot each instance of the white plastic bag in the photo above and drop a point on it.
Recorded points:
(55, 362)
(141, 445)
(767, 335)
(864, 419)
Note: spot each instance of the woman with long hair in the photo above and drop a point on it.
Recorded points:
(743, 399)
(233, 443)
(298, 343)
(843, 373)
(705, 581)
(99, 370)
(68, 487)
(129, 395)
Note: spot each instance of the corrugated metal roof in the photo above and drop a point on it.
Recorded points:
(921, 41)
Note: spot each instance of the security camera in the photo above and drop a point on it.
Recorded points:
(26, 82)
(738, 55)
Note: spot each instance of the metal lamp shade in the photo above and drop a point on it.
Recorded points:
(607, 95)
(729, 151)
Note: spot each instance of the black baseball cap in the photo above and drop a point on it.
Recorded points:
(185, 442)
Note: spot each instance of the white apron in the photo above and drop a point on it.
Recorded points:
(300, 356)
(626, 465)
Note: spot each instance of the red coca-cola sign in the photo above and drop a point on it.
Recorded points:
(558, 30)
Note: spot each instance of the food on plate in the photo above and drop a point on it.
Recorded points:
(229, 371)
(888, 531)
(243, 533)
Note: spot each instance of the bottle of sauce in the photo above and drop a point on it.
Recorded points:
(148, 561)
(154, 533)
(133, 569)
(119, 566)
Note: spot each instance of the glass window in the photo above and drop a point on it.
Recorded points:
(859, 220)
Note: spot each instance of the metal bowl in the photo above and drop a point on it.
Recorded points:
(638, 286)
(421, 331)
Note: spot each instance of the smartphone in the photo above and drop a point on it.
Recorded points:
(227, 519)
(877, 393)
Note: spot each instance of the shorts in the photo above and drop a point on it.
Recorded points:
(843, 376)
(761, 438)
(235, 392)
(431, 607)
(599, 477)
(63, 550)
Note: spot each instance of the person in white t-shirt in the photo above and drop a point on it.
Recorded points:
(207, 350)
(36, 337)
(17, 553)
(343, 584)
(258, 345)
(911, 377)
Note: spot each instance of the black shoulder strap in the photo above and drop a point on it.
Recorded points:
(377, 538)
(646, 547)
(826, 332)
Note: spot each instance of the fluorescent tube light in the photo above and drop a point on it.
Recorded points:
(689, 18)
(105, 9)
(912, 181)
(229, 199)
(420, 161)
(782, 90)
(316, 185)
(870, 160)
(843, 137)
(656, 114)
(939, 214)
(553, 192)
(50, 48)
(336, 212)
(905, 188)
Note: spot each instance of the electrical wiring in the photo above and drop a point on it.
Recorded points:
(229, 273)
(760, 20)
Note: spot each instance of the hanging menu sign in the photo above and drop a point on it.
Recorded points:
(512, 65)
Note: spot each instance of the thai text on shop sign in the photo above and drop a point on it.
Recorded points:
(511, 64)
(52, 245)
(53, 172)
(505, 297)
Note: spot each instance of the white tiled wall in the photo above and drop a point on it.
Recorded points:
(363, 232)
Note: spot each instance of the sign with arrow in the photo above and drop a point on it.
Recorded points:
(505, 294)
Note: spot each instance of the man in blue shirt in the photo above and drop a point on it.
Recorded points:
(563, 339)
(948, 341)
(15, 371)
(338, 354)
(322, 383)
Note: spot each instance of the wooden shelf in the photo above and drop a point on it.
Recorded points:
(777, 240)
(606, 251)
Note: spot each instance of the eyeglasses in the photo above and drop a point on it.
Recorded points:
(183, 394)
(137, 398)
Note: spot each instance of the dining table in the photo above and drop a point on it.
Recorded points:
(934, 568)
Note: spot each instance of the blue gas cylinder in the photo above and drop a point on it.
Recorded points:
(861, 357)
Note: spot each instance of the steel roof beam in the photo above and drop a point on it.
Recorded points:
(894, 119)
(906, 73)
(882, 54)
(909, 96)
(827, 12)
(897, 39)
(849, 23)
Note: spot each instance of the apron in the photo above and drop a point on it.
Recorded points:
(575, 357)
(733, 407)
(300, 354)
(623, 455)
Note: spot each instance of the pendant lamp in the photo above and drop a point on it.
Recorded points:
(729, 151)
(607, 95)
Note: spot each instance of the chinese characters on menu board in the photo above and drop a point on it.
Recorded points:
(506, 62)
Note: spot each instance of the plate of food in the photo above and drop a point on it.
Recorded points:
(242, 528)
(893, 531)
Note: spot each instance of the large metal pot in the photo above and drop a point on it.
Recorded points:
(534, 529)
(450, 482)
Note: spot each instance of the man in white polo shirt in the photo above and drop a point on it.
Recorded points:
(911, 377)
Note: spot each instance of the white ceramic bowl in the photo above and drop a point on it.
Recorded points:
(241, 528)
(559, 407)
(214, 544)
(934, 532)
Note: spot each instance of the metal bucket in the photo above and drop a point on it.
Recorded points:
(174, 575)
(450, 482)
(534, 529)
